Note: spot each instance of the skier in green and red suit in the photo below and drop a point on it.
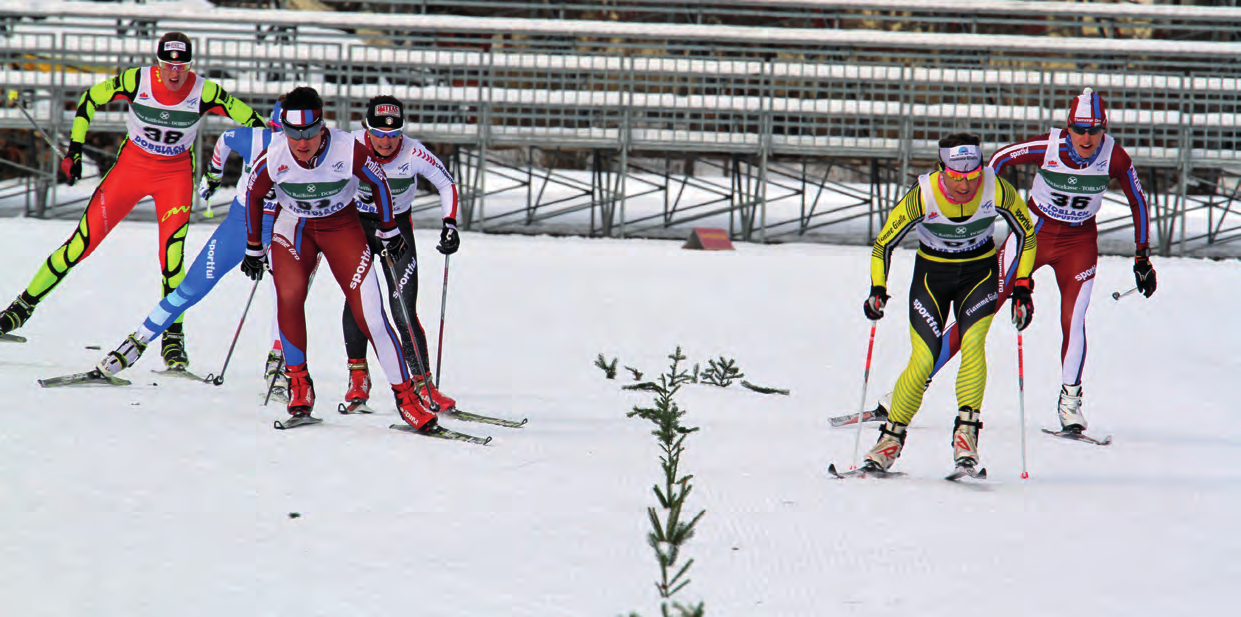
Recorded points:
(166, 105)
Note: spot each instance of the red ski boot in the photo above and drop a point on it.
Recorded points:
(413, 412)
(359, 382)
(301, 390)
(442, 403)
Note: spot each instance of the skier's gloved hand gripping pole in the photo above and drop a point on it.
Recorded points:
(208, 185)
(1144, 272)
(255, 261)
(873, 309)
(1143, 276)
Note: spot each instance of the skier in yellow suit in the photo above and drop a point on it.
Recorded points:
(953, 210)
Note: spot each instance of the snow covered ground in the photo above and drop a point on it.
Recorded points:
(174, 499)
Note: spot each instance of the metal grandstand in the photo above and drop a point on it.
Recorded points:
(787, 131)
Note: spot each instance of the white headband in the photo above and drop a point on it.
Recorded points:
(963, 158)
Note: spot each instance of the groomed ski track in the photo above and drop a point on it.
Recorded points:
(175, 499)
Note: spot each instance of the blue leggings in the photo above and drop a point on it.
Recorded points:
(222, 253)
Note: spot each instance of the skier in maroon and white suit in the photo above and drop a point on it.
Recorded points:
(1075, 167)
(315, 172)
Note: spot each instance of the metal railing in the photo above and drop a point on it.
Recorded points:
(1073, 19)
(800, 134)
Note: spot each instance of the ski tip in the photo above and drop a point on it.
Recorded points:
(278, 425)
(12, 338)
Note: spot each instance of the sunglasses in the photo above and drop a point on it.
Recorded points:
(1081, 130)
(962, 175)
(382, 133)
(176, 67)
(303, 133)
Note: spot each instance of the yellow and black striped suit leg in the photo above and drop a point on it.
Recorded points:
(968, 290)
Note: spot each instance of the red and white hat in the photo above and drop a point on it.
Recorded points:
(1087, 110)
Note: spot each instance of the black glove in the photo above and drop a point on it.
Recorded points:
(450, 240)
(72, 163)
(1144, 273)
(394, 243)
(210, 182)
(1023, 303)
(255, 261)
(873, 307)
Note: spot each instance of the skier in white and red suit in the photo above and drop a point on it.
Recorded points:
(1076, 165)
(315, 172)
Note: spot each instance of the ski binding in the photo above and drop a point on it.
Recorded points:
(355, 406)
(94, 377)
(296, 420)
(181, 372)
(867, 470)
(966, 470)
(1076, 435)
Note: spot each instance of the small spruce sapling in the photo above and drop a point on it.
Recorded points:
(721, 373)
(608, 369)
(669, 534)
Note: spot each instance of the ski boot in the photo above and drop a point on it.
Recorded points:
(274, 377)
(1070, 409)
(359, 382)
(172, 346)
(16, 315)
(888, 448)
(438, 402)
(409, 403)
(301, 390)
(123, 357)
(965, 437)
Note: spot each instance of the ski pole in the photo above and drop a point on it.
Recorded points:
(1116, 295)
(409, 325)
(12, 100)
(219, 379)
(439, 346)
(857, 439)
(1021, 403)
